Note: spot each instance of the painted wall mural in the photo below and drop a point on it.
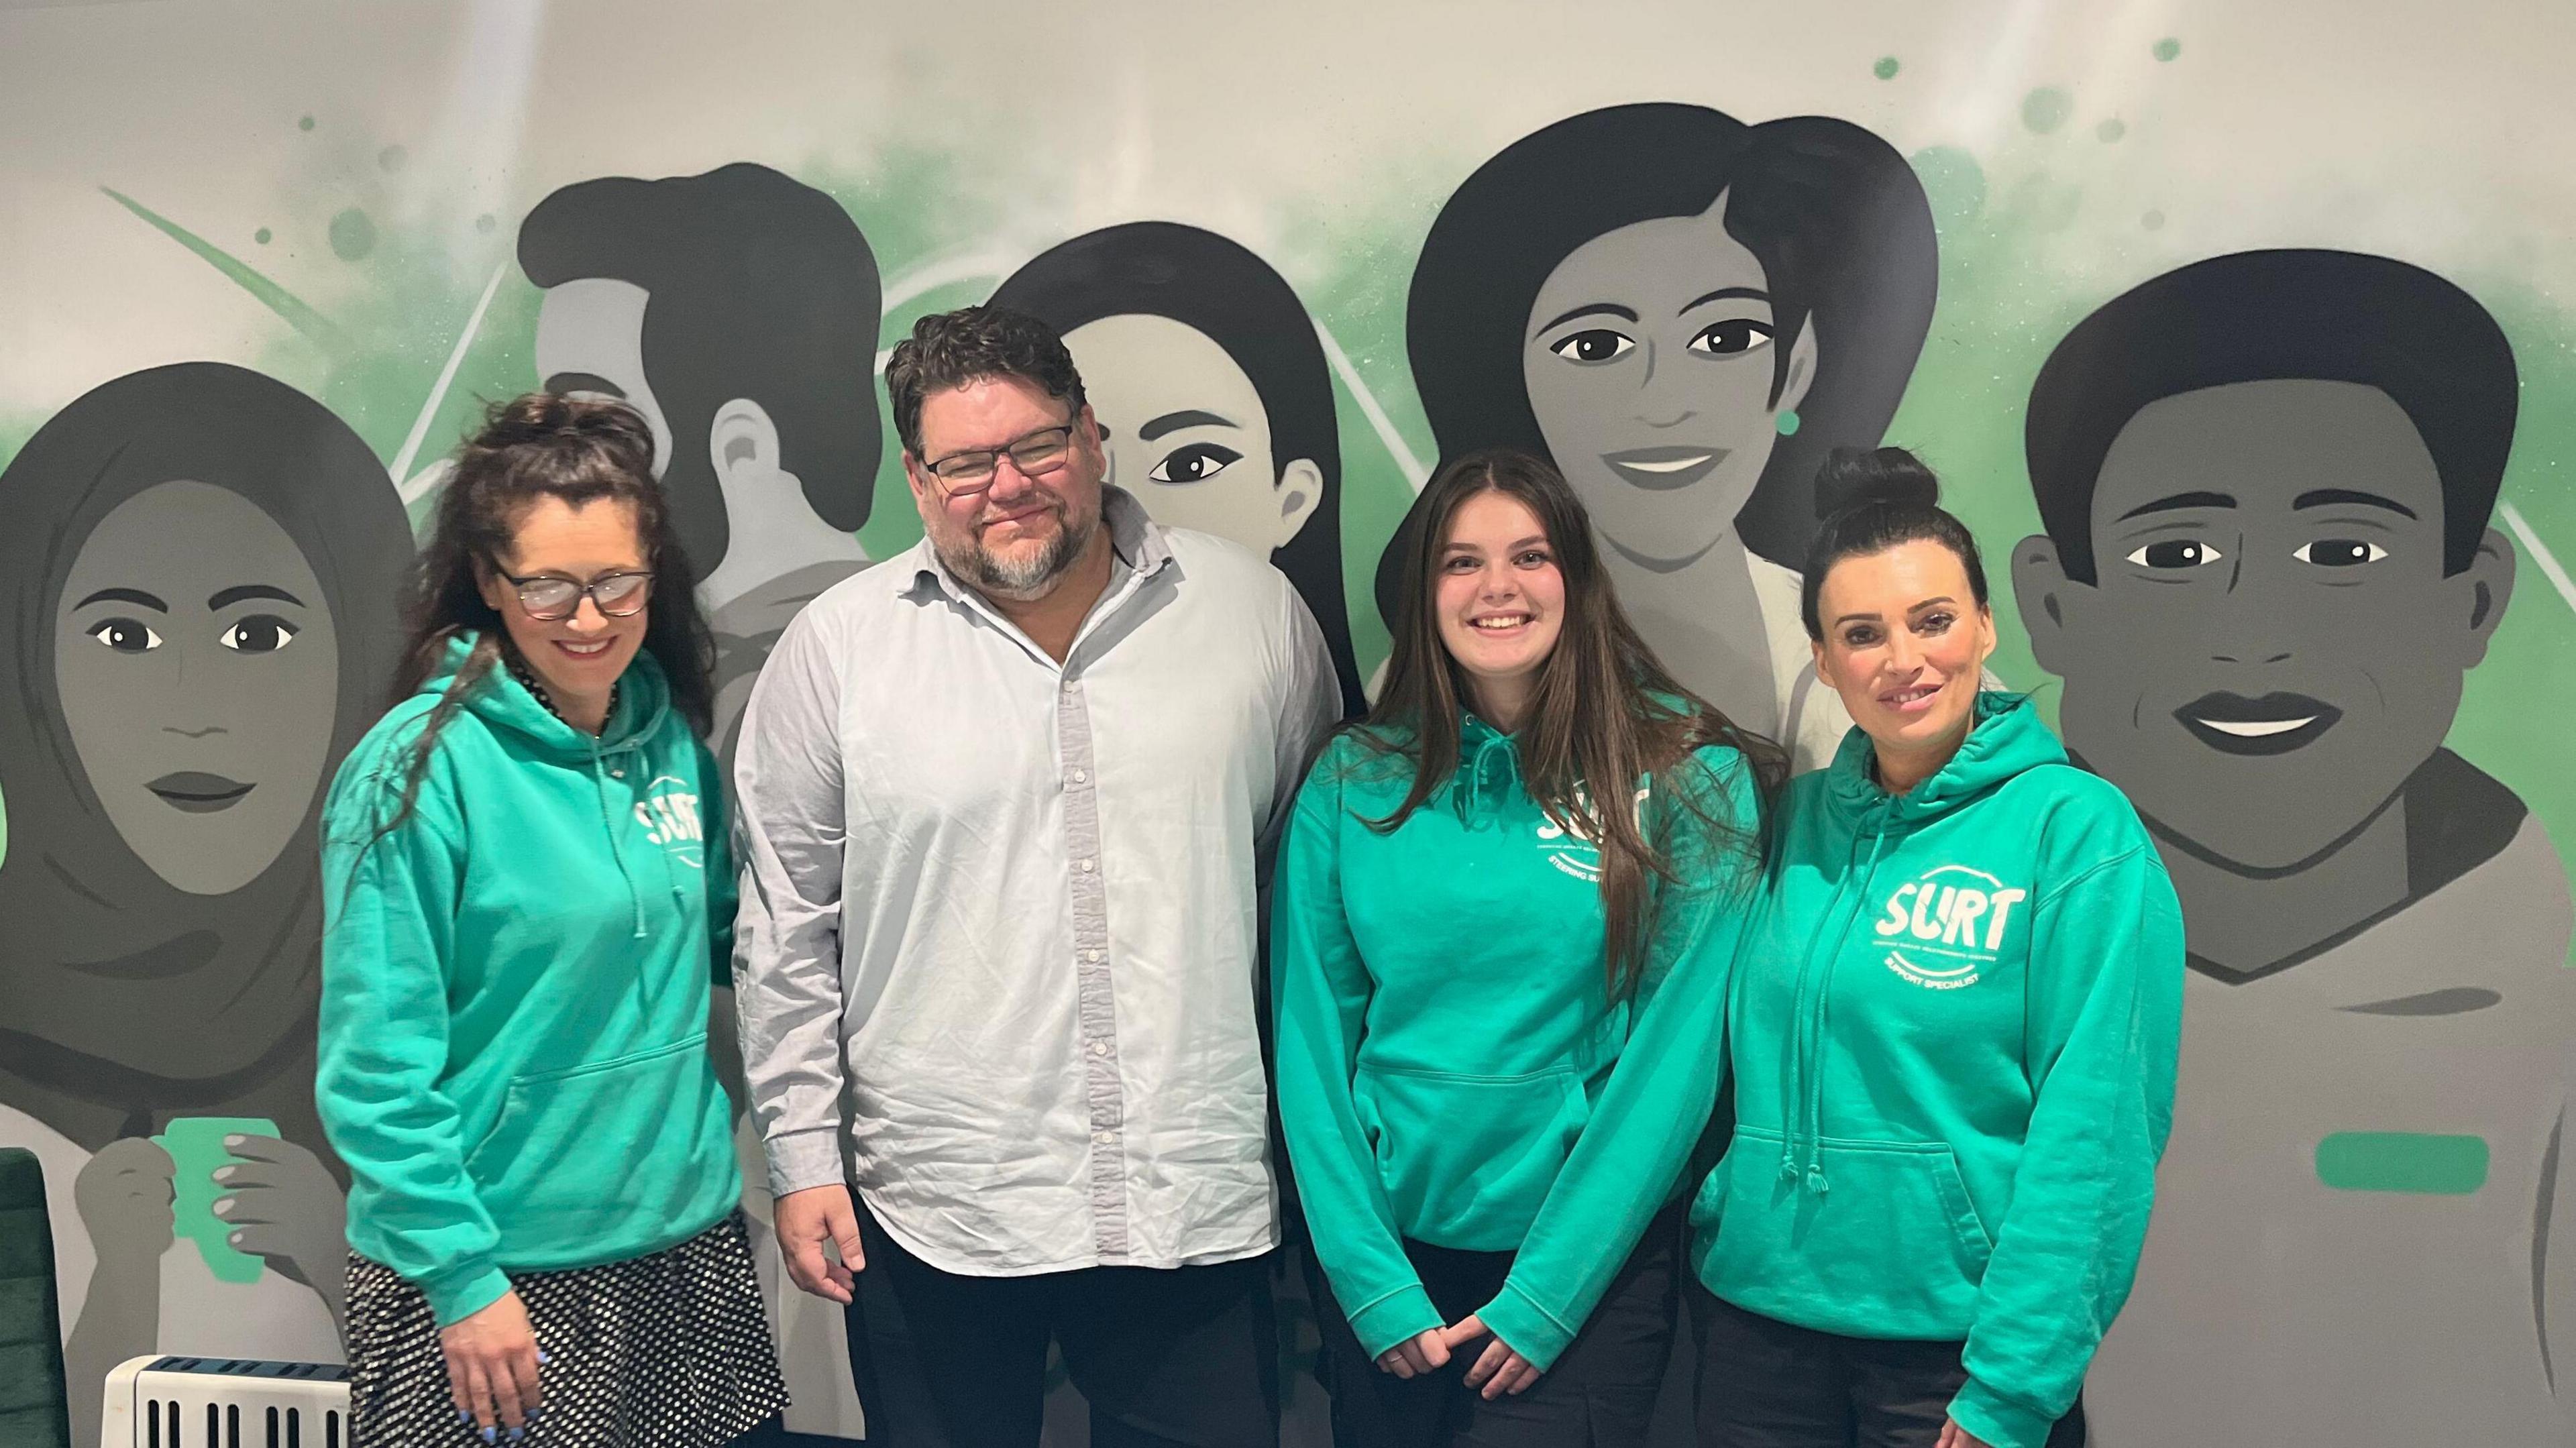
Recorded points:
(2255, 373)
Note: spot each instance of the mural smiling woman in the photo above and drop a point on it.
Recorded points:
(195, 608)
(1686, 314)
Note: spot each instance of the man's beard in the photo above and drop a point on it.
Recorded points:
(1028, 578)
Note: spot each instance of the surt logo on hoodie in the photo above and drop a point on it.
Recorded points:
(1946, 927)
(1575, 852)
(669, 814)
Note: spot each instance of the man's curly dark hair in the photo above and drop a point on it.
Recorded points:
(952, 349)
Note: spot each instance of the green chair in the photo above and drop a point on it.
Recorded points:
(34, 1407)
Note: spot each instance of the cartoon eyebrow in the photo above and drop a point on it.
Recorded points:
(1750, 294)
(133, 596)
(564, 384)
(2178, 500)
(247, 591)
(1175, 421)
(2321, 497)
(1588, 309)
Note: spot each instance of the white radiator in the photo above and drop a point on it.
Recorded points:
(186, 1402)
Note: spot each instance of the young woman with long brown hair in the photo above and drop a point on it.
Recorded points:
(1505, 920)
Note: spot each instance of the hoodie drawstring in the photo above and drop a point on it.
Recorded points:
(608, 819)
(1802, 1152)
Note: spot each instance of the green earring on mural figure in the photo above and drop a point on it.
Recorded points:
(1786, 419)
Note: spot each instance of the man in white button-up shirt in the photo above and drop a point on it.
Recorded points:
(1006, 799)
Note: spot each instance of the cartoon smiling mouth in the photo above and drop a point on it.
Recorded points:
(199, 793)
(1665, 468)
(2273, 724)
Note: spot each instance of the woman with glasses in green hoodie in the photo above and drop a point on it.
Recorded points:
(527, 901)
(1953, 1036)
(1504, 918)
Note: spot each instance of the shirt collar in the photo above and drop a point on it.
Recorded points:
(1143, 544)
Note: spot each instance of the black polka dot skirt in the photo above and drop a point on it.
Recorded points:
(666, 1351)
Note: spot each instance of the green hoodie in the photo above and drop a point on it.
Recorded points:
(1954, 1033)
(515, 988)
(1451, 1067)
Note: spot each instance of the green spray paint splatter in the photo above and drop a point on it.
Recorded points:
(1886, 68)
(305, 124)
(2046, 109)
(353, 235)
(2153, 221)
(485, 222)
(261, 236)
(2168, 48)
(392, 158)
(2111, 130)
(276, 298)
(1954, 183)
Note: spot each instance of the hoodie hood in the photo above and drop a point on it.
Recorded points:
(2007, 739)
(499, 700)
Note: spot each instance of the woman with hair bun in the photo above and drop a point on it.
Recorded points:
(526, 900)
(1953, 1031)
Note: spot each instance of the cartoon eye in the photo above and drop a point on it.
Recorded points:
(2171, 553)
(1600, 344)
(1731, 337)
(1196, 463)
(2339, 552)
(258, 634)
(125, 635)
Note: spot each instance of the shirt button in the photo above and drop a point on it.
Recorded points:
(1104, 1137)
(1070, 686)
(1079, 776)
(1093, 956)
(1083, 865)
(1100, 1048)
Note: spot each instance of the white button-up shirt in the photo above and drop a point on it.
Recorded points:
(1006, 909)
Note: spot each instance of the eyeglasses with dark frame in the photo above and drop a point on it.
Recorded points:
(965, 476)
(552, 598)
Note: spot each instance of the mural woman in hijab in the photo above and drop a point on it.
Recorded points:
(197, 577)
(1686, 313)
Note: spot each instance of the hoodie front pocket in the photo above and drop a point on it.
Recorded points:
(580, 1156)
(1466, 1160)
(1879, 1241)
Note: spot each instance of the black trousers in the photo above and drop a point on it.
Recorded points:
(1766, 1384)
(1601, 1390)
(1178, 1358)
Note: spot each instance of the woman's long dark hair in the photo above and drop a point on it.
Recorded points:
(579, 451)
(1605, 715)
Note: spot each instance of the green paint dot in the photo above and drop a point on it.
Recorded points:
(353, 235)
(2413, 1162)
(485, 222)
(1886, 68)
(2046, 109)
(392, 158)
(2168, 48)
(2111, 130)
(1953, 182)
(260, 236)
(305, 124)
(2153, 221)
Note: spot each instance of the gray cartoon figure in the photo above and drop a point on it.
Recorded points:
(1686, 313)
(2266, 480)
(737, 311)
(198, 569)
(1213, 396)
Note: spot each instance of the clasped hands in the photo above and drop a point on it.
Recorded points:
(1497, 1370)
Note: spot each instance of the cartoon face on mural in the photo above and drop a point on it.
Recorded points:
(1212, 394)
(2266, 480)
(2268, 564)
(198, 570)
(197, 663)
(1686, 314)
